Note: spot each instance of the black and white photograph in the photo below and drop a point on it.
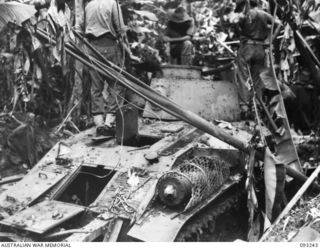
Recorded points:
(159, 121)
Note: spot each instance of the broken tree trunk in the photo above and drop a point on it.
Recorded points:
(11, 179)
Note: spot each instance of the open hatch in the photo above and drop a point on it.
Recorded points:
(85, 185)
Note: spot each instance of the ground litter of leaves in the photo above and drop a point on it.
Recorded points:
(44, 141)
(306, 212)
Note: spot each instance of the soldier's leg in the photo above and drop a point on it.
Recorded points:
(175, 51)
(115, 91)
(257, 66)
(97, 101)
(115, 100)
(186, 53)
(243, 76)
(97, 86)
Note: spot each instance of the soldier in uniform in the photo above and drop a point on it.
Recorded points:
(105, 30)
(253, 25)
(179, 32)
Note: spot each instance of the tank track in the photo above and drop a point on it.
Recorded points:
(204, 222)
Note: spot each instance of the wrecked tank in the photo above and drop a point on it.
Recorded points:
(159, 179)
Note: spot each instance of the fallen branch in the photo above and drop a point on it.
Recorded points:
(67, 117)
(12, 236)
(15, 119)
(226, 47)
(211, 71)
(292, 202)
(65, 232)
(74, 126)
(11, 179)
(3, 115)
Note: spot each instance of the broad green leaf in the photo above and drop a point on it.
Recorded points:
(146, 14)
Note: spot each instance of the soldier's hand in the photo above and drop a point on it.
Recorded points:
(135, 58)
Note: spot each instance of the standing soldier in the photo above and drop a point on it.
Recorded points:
(280, 152)
(105, 30)
(253, 23)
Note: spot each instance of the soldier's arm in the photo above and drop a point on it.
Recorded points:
(270, 18)
(117, 19)
(189, 34)
(191, 30)
(121, 29)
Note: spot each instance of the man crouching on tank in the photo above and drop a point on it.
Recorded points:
(179, 32)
